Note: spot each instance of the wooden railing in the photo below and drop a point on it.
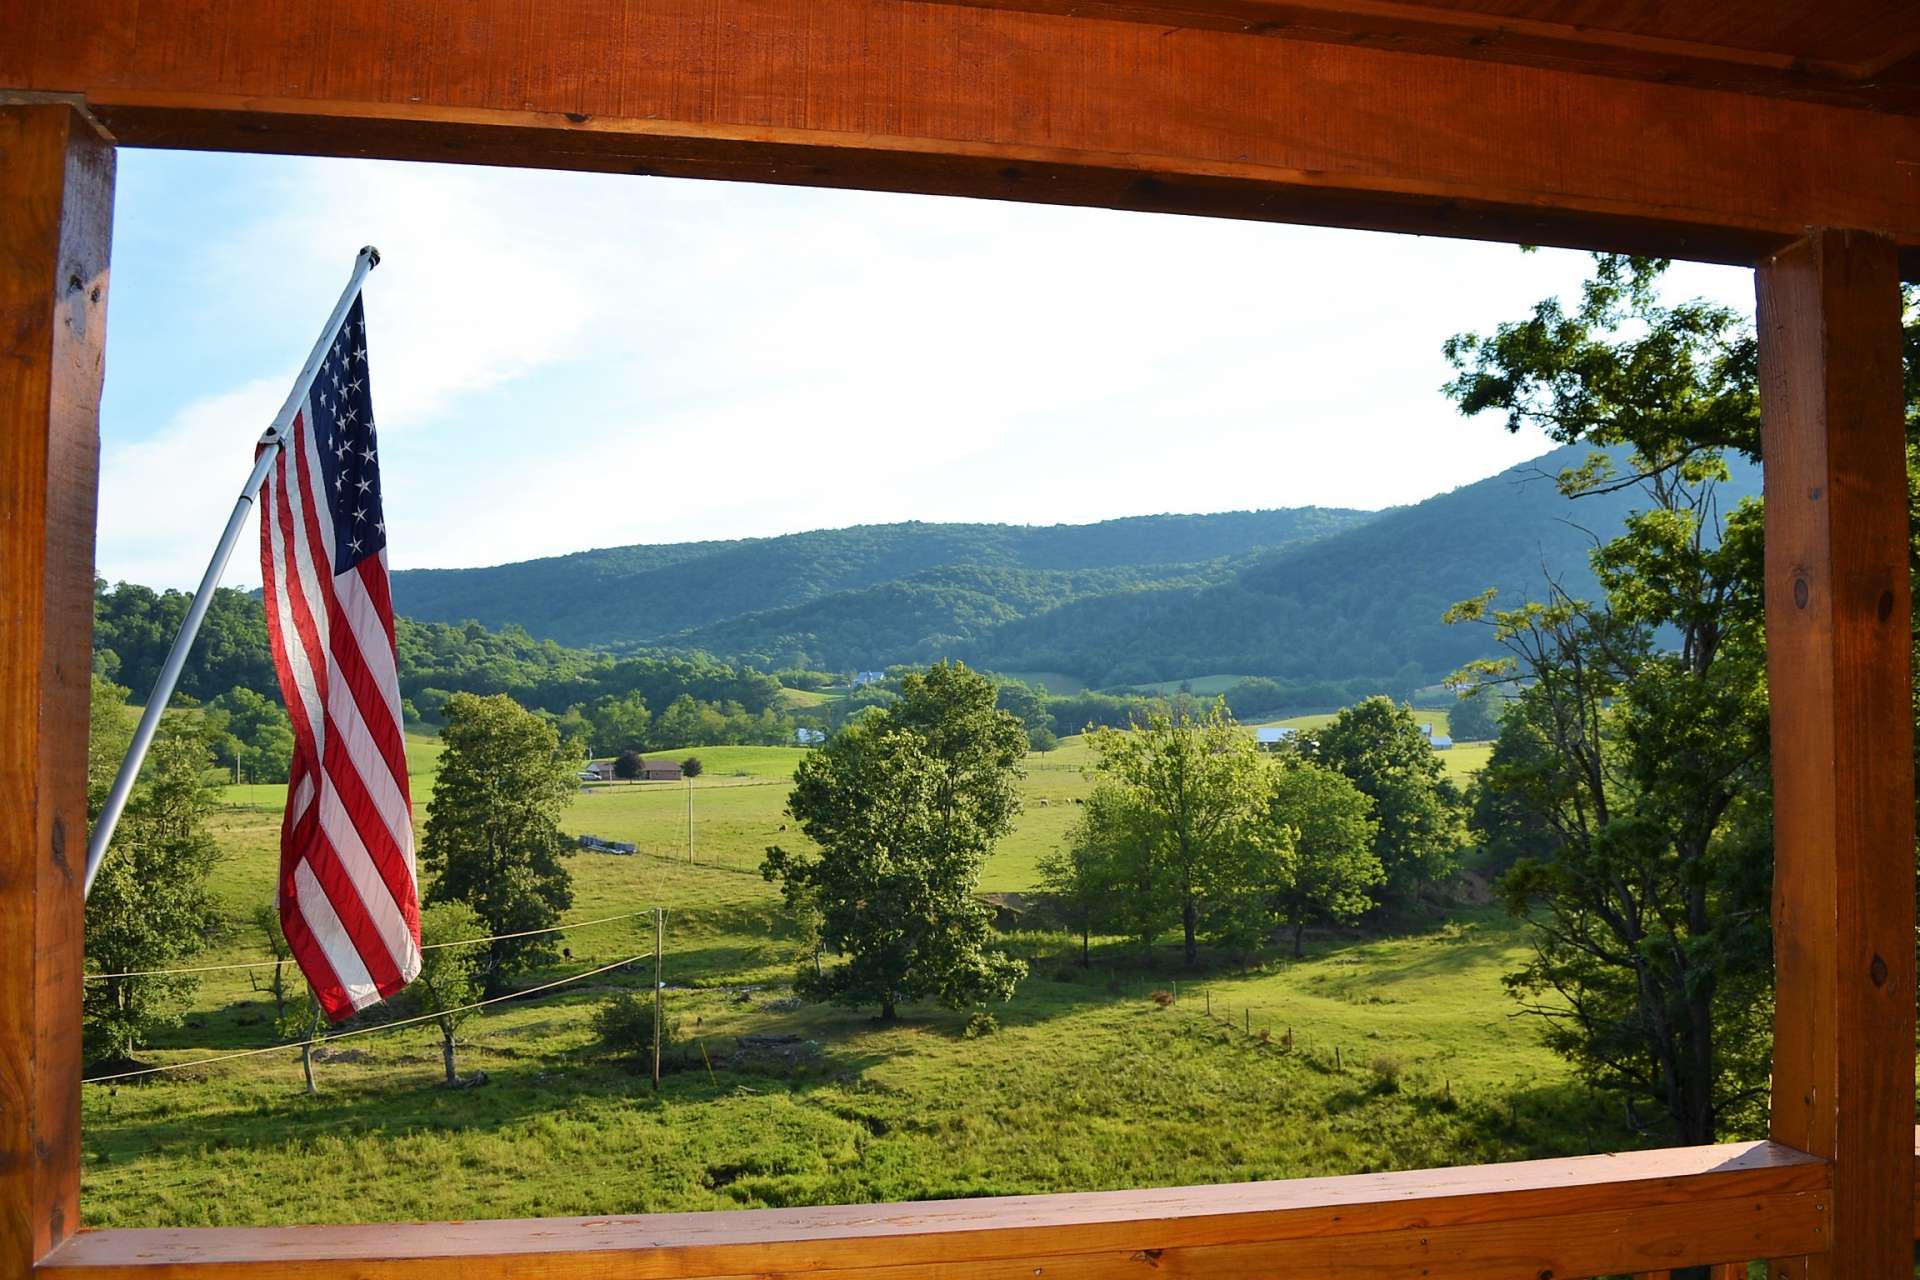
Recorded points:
(1639, 1213)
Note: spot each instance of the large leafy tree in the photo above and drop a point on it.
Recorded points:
(151, 907)
(1378, 746)
(1633, 758)
(1314, 860)
(903, 806)
(1185, 789)
(493, 827)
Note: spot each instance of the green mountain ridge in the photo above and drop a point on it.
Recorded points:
(1301, 595)
(626, 597)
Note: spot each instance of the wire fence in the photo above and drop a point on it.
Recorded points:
(363, 1031)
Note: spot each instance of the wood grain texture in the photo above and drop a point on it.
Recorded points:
(1848, 53)
(1005, 103)
(1578, 1217)
(58, 179)
(1838, 657)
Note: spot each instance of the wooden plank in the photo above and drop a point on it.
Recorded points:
(1846, 64)
(1838, 656)
(1577, 1217)
(58, 179)
(961, 99)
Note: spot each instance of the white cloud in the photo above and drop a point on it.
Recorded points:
(563, 361)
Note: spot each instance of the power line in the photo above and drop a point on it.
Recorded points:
(431, 946)
(362, 1031)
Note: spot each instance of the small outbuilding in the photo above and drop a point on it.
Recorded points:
(659, 771)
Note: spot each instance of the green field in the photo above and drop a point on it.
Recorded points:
(1200, 686)
(1058, 683)
(1088, 1085)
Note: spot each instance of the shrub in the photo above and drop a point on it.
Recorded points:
(982, 1024)
(691, 767)
(626, 765)
(1387, 1071)
(624, 1026)
(1161, 998)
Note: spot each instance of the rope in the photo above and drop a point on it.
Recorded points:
(431, 946)
(362, 1031)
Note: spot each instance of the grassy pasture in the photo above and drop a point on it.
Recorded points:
(1089, 1084)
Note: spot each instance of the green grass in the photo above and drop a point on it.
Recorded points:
(1058, 683)
(1201, 686)
(1088, 1085)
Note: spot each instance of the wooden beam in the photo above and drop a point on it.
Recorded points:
(1579, 1217)
(58, 178)
(1838, 642)
(1584, 44)
(969, 100)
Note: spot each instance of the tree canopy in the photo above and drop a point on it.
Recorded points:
(493, 837)
(903, 807)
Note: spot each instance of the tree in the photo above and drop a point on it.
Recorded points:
(150, 907)
(266, 925)
(691, 767)
(1086, 875)
(1315, 857)
(1638, 734)
(904, 806)
(618, 723)
(627, 765)
(1186, 789)
(1378, 746)
(451, 975)
(493, 837)
(261, 736)
(1476, 715)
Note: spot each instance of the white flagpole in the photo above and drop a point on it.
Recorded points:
(271, 443)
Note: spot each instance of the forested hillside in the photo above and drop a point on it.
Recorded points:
(632, 596)
(1303, 596)
(1362, 603)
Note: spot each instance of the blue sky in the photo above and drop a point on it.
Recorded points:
(564, 361)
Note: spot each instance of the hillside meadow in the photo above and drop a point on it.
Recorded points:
(1374, 1052)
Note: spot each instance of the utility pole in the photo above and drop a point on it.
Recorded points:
(659, 936)
(689, 817)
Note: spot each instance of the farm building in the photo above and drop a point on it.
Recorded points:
(809, 737)
(1272, 737)
(1441, 742)
(863, 678)
(659, 771)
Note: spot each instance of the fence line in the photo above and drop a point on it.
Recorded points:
(362, 1031)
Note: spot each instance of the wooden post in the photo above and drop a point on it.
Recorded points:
(659, 999)
(56, 185)
(1837, 658)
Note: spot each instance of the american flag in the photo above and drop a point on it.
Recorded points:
(348, 900)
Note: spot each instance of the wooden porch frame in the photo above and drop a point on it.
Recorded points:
(1026, 101)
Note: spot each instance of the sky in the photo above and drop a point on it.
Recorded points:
(564, 361)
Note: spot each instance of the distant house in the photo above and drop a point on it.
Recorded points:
(1441, 742)
(809, 737)
(868, 677)
(1427, 729)
(597, 771)
(659, 771)
(1268, 739)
